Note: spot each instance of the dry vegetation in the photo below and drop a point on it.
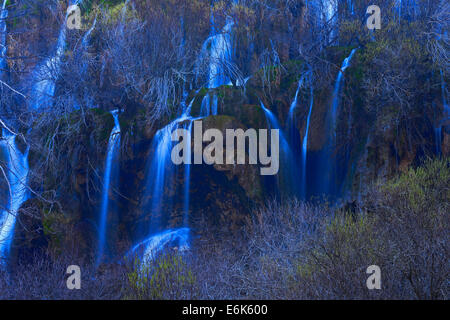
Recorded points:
(290, 251)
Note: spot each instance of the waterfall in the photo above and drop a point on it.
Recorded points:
(160, 169)
(83, 69)
(293, 135)
(151, 247)
(187, 179)
(274, 124)
(398, 6)
(305, 138)
(337, 90)
(218, 49)
(161, 165)
(17, 172)
(294, 102)
(291, 127)
(328, 173)
(209, 105)
(330, 16)
(446, 116)
(272, 120)
(289, 170)
(159, 174)
(46, 73)
(113, 145)
(438, 138)
(3, 16)
(220, 55)
(444, 97)
(330, 9)
(352, 9)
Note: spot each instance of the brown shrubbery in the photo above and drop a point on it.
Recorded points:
(289, 251)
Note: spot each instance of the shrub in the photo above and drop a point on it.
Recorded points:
(412, 213)
(291, 250)
(166, 277)
(402, 227)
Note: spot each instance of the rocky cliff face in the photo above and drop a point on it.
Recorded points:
(370, 144)
(221, 195)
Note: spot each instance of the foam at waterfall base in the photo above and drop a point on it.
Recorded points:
(149, 249)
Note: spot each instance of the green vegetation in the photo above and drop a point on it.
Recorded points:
(167, 277)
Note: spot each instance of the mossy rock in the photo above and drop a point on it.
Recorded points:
(104, 122)
(248, 175)
(197, 97)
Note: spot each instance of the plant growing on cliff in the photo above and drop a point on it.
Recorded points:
(402, 226)
(166, 277)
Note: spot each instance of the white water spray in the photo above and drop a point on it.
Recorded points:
(17, 172)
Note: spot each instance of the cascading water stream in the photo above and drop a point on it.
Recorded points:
(290, 121)
(3, 16)
(293, 135)
(187, 178)
(17, 172)
(330, 16)
(83, 69)
(220, 55)
(337, 90)
(161, 171)
(446, 116)
(161, 168)
(209, 105)
(438, 136)
(217, 48)
(307, 76)
(111, 156)
(286, 157)
(444, 97)
(351, 6)
(274, 124)
(305, 138)
(46, 73)
(329, 165)
(330, 8)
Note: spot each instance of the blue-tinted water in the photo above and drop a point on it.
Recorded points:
(305, 139)
(3, 16)
(111, 157)
(148, 249)
(17, 173)
(46, 74)
(288, 169)
(330, 185)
